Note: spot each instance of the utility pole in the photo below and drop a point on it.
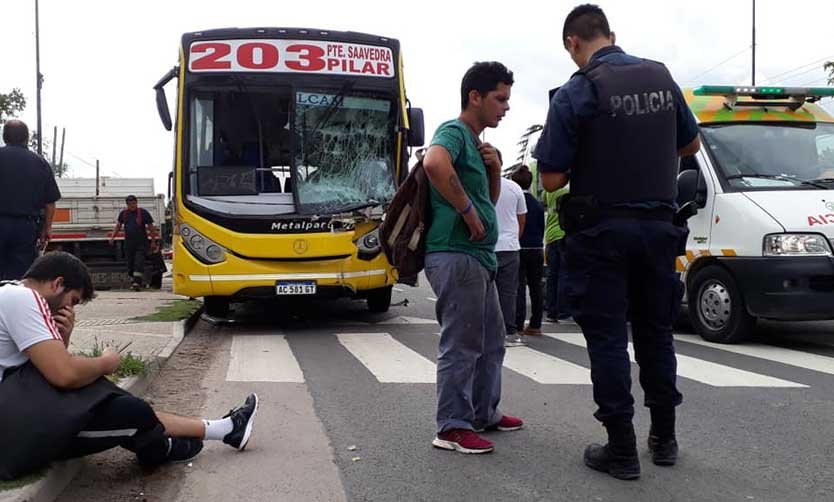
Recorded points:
(754, 43)
(54, 145)
(63, 139)
(39, 77)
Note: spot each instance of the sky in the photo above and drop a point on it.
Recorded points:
(100, 59)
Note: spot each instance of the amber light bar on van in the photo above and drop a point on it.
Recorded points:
(810, 93)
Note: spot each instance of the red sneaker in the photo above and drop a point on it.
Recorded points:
(462, 440)
(507, 424)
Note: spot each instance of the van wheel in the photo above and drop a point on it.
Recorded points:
(216, 306)
(716, 307)
(379, 300)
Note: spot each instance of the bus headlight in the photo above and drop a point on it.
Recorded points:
(796, 245)
(369, 246)
(203, 248)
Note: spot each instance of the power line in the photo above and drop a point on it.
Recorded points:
(802, 73)
(801, 67)
(696, 77)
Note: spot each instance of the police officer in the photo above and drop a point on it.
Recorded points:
(616, 130)
(27, 188)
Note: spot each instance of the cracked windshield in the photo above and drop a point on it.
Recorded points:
(785, 157)
(344, 159)
(340, 147)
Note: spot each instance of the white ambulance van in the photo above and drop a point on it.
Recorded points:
(760, 245)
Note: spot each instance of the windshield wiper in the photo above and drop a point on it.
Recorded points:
(822, 180)
(813, 183)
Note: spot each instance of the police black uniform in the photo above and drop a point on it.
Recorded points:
(27, 185)
(616, 127)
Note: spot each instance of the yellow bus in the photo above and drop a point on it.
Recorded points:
(289, 144)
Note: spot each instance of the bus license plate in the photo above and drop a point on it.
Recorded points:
(296, 288)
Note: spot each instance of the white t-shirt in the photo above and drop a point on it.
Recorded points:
(25, 319)
(510, 204)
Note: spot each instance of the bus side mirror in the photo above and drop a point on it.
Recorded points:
(692, 187)
(162, 108)
(161, 101)
(417, 127)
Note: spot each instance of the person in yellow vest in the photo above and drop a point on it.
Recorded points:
(553, 235)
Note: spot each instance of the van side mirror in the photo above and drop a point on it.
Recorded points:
(416, 127)
(692, 187)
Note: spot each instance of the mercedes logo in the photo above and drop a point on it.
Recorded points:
(300, 246)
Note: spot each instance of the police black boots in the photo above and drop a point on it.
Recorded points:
(619, 457)
(662, 443)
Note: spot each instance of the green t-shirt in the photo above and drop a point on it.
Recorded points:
(552, 230)
(448, 232)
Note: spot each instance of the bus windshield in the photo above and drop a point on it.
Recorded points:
(284, 150)
(773, 156)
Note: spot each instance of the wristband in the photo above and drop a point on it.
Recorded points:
(467, 208)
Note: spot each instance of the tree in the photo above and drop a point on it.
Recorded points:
(11, 104)
(829, 67)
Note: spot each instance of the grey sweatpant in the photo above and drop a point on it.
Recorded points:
(471, 351)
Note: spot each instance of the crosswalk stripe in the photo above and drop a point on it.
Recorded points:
(789, 357)
(716, 375)
(544, 368)
(263, 358)
(387, 359)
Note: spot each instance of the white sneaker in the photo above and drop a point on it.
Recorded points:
(514, 340)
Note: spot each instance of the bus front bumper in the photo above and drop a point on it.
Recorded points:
(241, 278)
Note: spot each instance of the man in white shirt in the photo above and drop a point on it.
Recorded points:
(56, 405)
(511, 210)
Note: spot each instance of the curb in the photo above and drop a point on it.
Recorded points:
(61, 474)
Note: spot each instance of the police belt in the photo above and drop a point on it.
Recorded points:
(655, 214)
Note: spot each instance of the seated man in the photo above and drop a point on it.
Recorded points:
(57, 405)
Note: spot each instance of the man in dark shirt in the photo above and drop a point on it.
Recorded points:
(138, 225)
(532, 259)
(27, 187)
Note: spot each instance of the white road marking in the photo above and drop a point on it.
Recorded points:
(387, 359)
(544, 368)
(263, 358)
(429, 298)
(407, 320)
(398, 290)
(790, 357)
(716, 375)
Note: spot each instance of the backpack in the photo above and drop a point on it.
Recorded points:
(407, 220)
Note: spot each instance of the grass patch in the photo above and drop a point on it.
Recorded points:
(21, 482)
(174, 311)
(130, 365)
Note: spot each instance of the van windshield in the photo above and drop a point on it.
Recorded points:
(773, 156)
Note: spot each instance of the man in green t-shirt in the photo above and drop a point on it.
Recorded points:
(465, 175)
(553, 235)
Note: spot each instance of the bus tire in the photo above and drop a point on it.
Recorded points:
(216, 306)
(379, 300)
(716, 307)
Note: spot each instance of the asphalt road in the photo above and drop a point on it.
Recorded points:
(348, 403)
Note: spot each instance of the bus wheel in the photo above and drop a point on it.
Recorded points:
(216, 306)
(716, 307)
(379, 299)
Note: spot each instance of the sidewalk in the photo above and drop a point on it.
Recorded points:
(113, 319)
